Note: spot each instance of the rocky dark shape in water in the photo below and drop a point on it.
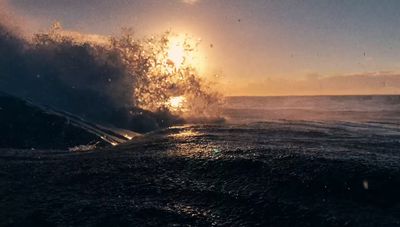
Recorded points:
(26, 126)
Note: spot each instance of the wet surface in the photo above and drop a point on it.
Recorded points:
(267, 174)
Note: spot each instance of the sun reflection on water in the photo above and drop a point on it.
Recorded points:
(190, 142)
(186, 134)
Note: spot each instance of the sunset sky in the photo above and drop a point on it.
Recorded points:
(282, 46)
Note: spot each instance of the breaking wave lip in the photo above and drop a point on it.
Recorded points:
(120, 81)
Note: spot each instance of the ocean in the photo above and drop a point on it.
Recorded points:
(89, 136)
(367, 108)
(275, 161)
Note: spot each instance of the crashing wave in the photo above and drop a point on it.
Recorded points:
(137, 84)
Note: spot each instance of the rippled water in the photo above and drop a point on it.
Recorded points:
(254, 170)
(335, 127)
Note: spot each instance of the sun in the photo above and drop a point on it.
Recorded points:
(180, 62)
(176, 52)
(182, 52)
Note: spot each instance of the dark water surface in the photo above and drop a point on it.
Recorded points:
(282, 173)
(280, 161)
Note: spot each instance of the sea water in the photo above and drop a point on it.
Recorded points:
(361, 109)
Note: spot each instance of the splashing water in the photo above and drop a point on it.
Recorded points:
(169, 79)
(176, 54)
(121, 80)
(176, 103)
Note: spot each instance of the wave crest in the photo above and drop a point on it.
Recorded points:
(121, 80)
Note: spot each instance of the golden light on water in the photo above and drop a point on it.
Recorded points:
(187, 133)
(128, 137)
(176, 103)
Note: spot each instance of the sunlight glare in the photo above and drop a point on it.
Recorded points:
(176, 103)
(176, 52)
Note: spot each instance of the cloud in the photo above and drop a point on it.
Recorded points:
(191, 2)
(14, 21)
(353, 84)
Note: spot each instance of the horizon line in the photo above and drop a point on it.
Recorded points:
(329, 95)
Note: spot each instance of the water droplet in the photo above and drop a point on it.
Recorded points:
(365, 184)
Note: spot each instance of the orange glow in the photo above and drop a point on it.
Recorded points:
(176, 52)
(176, 103)
(182, 52)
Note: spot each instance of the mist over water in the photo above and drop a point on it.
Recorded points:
(372, 108)
(120, 81)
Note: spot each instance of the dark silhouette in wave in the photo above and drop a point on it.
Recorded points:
(26, 127)
(103, 83)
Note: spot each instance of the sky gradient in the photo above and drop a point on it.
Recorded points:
(253, 42)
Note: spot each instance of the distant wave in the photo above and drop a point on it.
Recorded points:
(119, 81)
